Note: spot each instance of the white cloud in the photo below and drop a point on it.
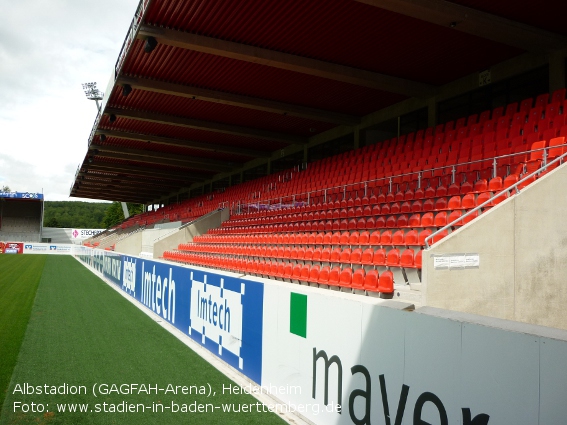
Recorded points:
(47, 49)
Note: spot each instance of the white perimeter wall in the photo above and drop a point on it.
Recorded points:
(49, 248)
(512, 373)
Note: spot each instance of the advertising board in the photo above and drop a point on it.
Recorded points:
(345, 359)
(220, 312)
(12, 248)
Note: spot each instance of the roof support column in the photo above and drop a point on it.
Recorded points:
(557, 70)
(125, 209)
(356, 137)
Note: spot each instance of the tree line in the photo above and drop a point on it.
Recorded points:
(85, 215)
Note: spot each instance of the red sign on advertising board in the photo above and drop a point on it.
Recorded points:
(12, 248)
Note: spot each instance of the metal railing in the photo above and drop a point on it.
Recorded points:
(128, 41)
(504, 191)
(288, 201)
(131, 35)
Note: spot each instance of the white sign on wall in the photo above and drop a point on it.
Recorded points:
(456, 261)
(85, 233)
(48, 248)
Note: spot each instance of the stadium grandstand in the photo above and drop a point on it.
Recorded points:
(343, 138)
(21, 216)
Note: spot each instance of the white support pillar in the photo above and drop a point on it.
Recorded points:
(125, 209)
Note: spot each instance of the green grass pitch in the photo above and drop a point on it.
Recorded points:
(19, 277)
(81, 333)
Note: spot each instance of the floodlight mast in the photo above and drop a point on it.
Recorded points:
(93, 93)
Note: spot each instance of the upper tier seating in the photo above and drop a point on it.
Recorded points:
(358, 221)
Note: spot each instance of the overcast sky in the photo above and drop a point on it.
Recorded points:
(48, 48)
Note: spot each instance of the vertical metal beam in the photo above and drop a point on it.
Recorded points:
(125, 209)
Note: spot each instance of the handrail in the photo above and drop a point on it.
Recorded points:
(234, 204)
(499, 194)
(389, 178)
(130, 35)
(75, 178)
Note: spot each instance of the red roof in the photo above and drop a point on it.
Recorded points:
(230, 81)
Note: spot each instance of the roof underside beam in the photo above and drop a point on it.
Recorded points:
(211, 147)
(286, 61)
(157, 157)
(207, 126)
(110, 196)
(130, 183)
(119, 189)
(238, 100)
(184, 178)
(118, 178)
(475, 22)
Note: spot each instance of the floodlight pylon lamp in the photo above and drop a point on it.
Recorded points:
(93, 93)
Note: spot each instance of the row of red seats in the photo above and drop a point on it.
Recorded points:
(344, 227)
(330, 238)
(481, 158)
(389, 256)
(500, 117)
(394, 236)
(545, 113)
(425, 219)
(437, 186)
(323, 217)
(463, 141)
(346, 278)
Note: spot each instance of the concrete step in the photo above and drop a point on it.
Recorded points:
(415, 286)
(407, 293)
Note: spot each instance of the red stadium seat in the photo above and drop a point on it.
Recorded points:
(379, 258)
(407, 258)
(393, 257)
(314, 274)
(367, 256)
(323, 278)
(371, 280)
(345, 278)
(356, 256)
(386, 282)
(334, 276)
(358, 278)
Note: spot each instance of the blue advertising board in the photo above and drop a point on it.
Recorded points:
(221, 313)
(108, 263)
(22, 195)
(112, 267)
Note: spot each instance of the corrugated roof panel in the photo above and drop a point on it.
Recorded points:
(217, 112)
(339, 31)
(158, 147)
(203, 70)
(549, 15)
(157, 129)
(105, 178)
(99, 159)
